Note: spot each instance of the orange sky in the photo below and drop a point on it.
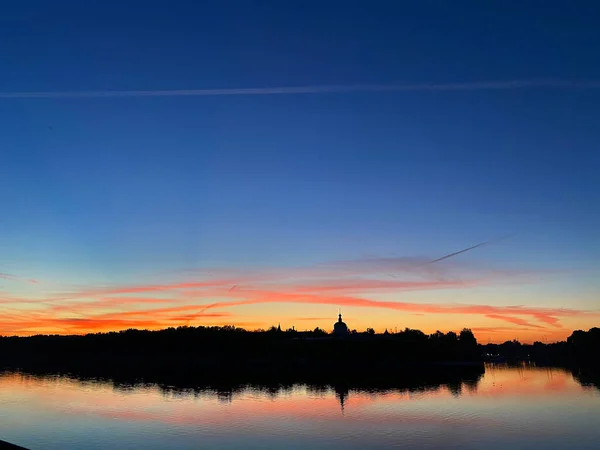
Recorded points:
(497, 304)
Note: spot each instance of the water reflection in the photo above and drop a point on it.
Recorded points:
(522, 379)
(416, 383)
(523, 407)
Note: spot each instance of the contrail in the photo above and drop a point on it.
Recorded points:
(468, 249)
(332, 89)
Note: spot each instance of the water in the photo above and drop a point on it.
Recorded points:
(524, 408)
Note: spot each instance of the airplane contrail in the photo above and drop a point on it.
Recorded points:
(331, 89)
(481, 244)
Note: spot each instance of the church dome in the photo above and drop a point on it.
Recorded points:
(340, 327)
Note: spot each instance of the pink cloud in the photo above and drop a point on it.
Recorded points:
(548, 319)
(367, 285)
(514, 320)
(109, 302)
(546, 315)
(10, 277)
(342, 283)
(117, 290)
(155, 313)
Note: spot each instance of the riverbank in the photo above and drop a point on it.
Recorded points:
(8, 446)
(205, 372)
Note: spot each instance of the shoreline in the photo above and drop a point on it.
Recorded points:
(407, 376)
(8, 446)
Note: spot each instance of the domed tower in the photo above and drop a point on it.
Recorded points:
(340, 328)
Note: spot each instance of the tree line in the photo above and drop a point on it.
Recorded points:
(581, 348)
(231, 350)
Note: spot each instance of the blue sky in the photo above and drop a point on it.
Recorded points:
(100, 190)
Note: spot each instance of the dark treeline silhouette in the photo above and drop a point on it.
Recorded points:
(9, 446)
(587, 376)
(231, 353)
(581, 349)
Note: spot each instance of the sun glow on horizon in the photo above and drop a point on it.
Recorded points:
(388, 293)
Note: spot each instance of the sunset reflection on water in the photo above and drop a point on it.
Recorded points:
(525, 407)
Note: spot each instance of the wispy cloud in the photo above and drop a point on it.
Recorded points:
(506, 313)
(327, 89)
(65, 325)
(159, 313)
(108, 302)
(515, 320)
(548, 319)
(137, 289)
(312, 319)
(372, 285)
(10, 277)
(211, 296)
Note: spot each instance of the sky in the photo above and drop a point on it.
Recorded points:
(255, 163)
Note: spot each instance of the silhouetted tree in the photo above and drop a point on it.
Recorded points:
(451, 336)
(437, 335)
(466, 337)
(229, 349)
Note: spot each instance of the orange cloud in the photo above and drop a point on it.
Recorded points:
(79, 325)
(155, 313)
(547, 319)
(342, 283)
(515, 320)
(312, 318)
(108, 302)
(496, 312)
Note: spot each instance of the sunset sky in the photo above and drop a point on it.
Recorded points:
(271, 162)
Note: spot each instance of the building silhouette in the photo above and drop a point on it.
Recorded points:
(340, 328)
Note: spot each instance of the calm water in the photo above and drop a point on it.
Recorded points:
(520, 408)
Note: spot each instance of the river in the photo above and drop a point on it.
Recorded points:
(507, 407)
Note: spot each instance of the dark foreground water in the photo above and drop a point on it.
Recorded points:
(520, 408)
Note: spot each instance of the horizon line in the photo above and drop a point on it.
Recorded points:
(314, 89)
(474, 330)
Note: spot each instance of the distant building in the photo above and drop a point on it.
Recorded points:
(340, 328)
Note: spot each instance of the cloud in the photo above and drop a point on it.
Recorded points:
(312, 318)
(250, 297)
(547, 319)
(369, 285)
(116, 290)
(346, 283)
(514, 320)
(77, 325)
(331, 89)
(159, 313)
(109, 302)
(10, 277)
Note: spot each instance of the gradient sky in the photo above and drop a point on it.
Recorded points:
(153, 211)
